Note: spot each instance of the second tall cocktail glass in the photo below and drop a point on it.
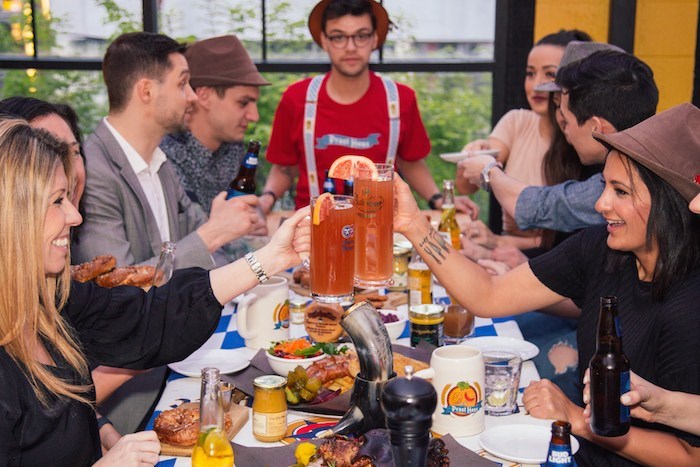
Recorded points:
(374, 226)
(332, 261)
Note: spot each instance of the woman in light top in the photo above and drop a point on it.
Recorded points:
(523, 136)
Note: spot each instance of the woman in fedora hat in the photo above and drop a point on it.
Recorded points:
(648, 255)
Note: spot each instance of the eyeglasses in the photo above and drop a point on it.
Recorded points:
(340, 41)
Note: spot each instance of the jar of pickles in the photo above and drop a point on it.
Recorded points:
(427, 323)
(269, 408)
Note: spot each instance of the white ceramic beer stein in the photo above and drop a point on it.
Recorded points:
(457, 372)
(263, 313)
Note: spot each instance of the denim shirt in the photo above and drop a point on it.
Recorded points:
(565, 207)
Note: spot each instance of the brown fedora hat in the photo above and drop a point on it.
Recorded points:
(380, 15)
(668, 144)
(222, 61)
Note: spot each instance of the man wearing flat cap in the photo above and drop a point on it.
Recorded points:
(208, 154)
(350, 110)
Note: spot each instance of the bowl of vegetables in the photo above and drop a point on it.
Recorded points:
(394, 322)
(285, 356)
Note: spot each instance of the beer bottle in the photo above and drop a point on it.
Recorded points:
(244, 182)
(165, 266)
(328, 185)
(559, 454)
(420, 281)
(348, 187)
(213, 446)
(448, 219)
(610, 375)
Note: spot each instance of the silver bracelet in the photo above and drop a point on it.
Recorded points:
(256, 268)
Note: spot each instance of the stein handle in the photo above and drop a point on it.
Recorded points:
(242, 317)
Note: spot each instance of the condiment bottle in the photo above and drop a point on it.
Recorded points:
(448, 219)
(297, 310)
(213, 446)
(269, 408)
(420, 281)
(408, 404)
(166, 264)
(559, 454)
(610, 375)
(426, 322)
(244, 182)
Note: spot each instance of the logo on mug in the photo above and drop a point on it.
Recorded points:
(462, 399)
(348, 231)
(281, 315)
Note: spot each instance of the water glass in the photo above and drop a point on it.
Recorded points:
(502, 381)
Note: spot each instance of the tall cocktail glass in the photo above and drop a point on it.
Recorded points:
(332, 261)
(374, 226)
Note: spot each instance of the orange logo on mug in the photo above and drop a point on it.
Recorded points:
(462, 399)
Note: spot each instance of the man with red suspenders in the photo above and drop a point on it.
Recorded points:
(349, 110)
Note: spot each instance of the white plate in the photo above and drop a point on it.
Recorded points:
(456, 157)
(525, 349)
(227, 361)
(527, 444)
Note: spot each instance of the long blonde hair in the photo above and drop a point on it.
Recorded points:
(30, 300)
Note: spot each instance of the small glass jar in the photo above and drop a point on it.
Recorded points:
(427, 323)
(269, 408)
(297, 308)
(402, 253)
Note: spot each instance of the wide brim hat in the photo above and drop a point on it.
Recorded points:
(222, 61)
(667, 144)
(380, 14)
(575, 51)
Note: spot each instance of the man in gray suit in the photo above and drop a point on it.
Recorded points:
(134, 200)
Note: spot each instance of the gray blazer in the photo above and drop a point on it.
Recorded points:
(118, 219)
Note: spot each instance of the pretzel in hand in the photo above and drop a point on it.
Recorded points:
(88, 271)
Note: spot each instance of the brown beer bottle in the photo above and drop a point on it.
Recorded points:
(559, 454)
(610, 375)
(244, 183)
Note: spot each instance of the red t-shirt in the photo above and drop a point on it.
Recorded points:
(360, 128)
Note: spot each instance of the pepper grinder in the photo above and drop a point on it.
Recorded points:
(409, 404)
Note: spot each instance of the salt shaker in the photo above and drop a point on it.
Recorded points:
(408, 404)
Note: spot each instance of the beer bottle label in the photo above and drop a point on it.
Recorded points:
(624, 387)
(251, 161)
(231, 193)
(559, 455)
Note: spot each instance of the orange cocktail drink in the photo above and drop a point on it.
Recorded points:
(332, 262)
(374, 225)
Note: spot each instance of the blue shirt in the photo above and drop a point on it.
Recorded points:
(565, 207)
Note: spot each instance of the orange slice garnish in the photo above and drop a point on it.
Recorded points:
(324, 205)
(349, 165)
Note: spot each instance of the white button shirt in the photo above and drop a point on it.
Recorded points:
(149, 180)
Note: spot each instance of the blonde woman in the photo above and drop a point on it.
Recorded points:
(49, 325)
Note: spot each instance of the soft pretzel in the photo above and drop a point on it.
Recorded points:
(180, 427)
(90, 270)
(140, 276)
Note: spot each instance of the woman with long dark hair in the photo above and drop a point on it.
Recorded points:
(647, 254)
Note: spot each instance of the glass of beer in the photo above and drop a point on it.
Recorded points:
(374, 226)
(332, 261)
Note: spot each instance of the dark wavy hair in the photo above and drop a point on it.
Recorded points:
(133, 56)
(564, 36)
(674, 228)
(340, 8)
(616, 86)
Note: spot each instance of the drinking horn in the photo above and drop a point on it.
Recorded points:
(373, 346)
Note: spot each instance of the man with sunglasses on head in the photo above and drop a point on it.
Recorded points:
(349, 110)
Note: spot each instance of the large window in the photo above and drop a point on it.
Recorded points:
(52, 49)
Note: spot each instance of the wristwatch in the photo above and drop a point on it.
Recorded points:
(485, 178)
(432, 202)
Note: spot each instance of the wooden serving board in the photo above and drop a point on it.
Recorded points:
(239, 416)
